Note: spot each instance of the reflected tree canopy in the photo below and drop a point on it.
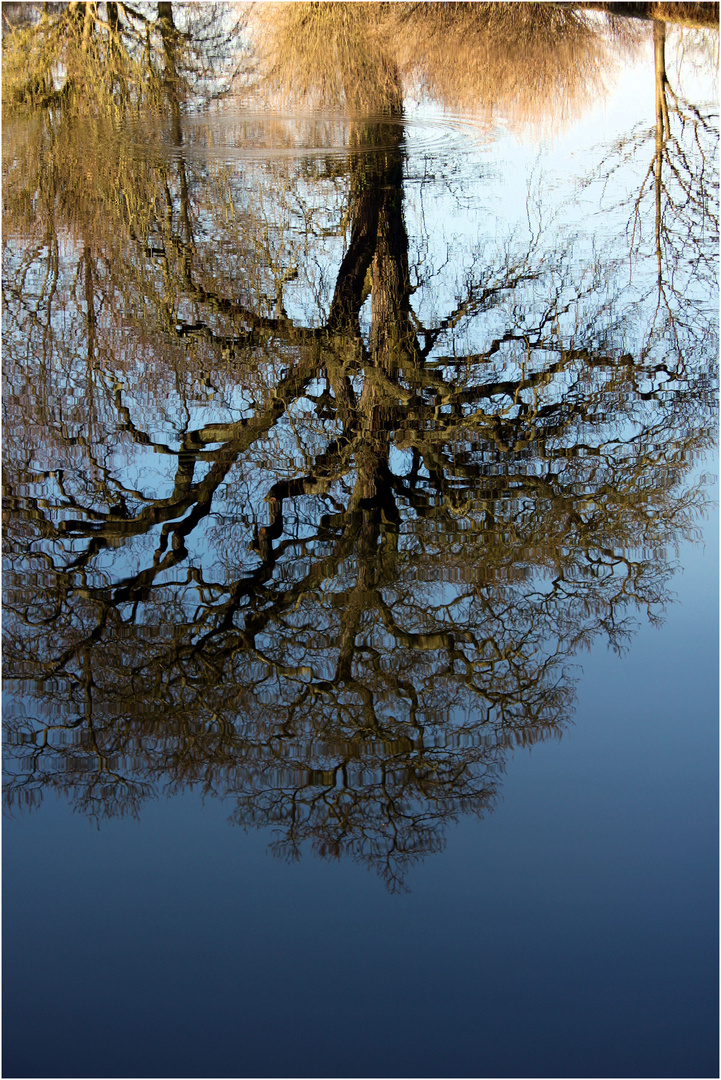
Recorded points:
(303, 508)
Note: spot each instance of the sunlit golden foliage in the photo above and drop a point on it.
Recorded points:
(76, 58)
(73, 176)
(330, 54)
(112, 58)
(531, 61)
(694, 14)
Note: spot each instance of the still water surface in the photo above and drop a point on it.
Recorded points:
(360, 595)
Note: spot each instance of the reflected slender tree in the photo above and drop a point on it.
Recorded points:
(674, 215)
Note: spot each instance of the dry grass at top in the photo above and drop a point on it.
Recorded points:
(533, 62)
(330, 54)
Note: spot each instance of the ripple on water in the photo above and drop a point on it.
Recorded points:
(254, 133)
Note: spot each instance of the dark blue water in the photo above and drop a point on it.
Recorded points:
(570, 933)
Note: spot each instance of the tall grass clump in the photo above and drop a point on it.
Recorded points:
(529, 61)
(329, 54)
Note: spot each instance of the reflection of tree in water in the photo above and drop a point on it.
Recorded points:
(443, 526)
(116, 58)
(673, 218)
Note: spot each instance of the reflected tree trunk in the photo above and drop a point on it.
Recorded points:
(662, 129)
(377, 256)
(168, 33)
(89, 302)
(170, 78)
(389, 280)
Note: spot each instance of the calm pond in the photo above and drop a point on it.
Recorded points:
(360, 603)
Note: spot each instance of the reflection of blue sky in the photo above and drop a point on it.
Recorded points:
(530, 185)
